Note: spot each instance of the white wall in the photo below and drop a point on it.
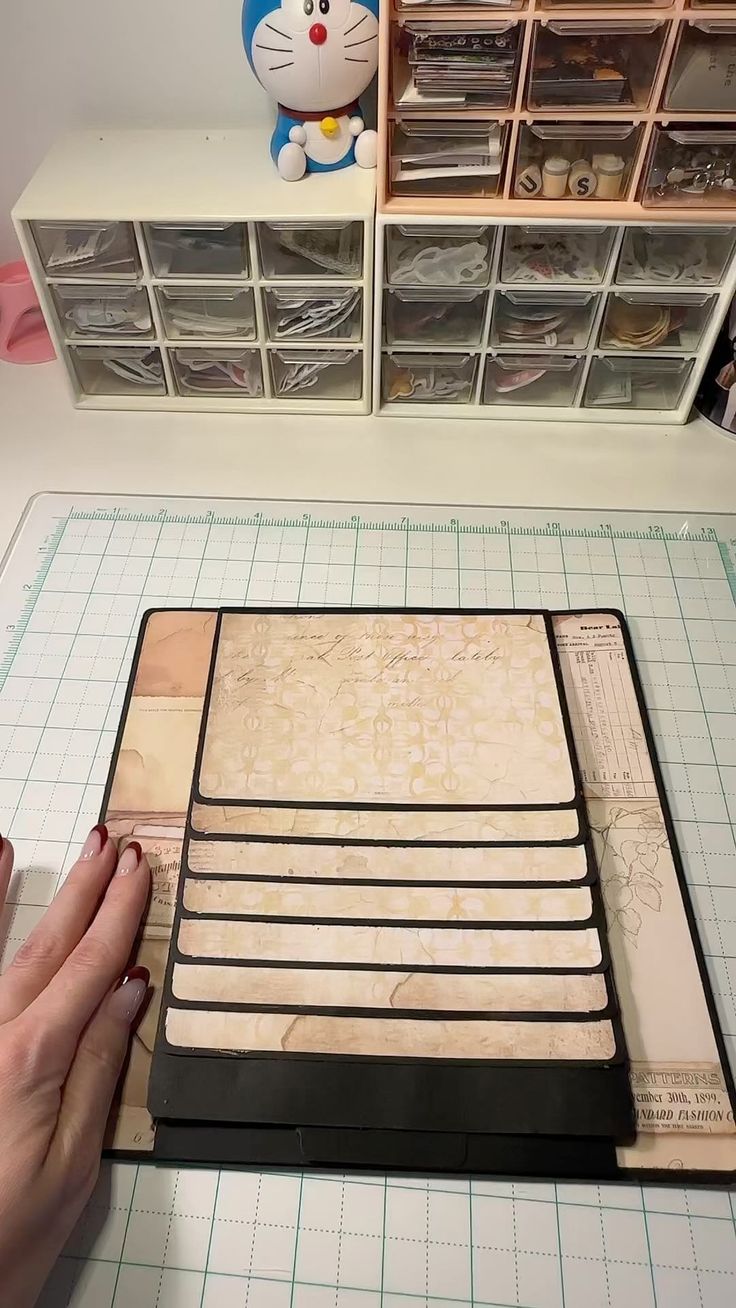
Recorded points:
(115, 63)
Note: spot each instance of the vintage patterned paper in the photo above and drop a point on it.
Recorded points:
(381, 863)
(411, 946)
(388, 1037)
(394, 708)
(483, 827)
(314, 987)
(273, 899)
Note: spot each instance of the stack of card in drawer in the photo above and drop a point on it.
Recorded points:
(389, 945)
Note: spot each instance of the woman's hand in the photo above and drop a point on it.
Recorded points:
(67, 1006)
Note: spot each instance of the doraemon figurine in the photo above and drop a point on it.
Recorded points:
(315, 57)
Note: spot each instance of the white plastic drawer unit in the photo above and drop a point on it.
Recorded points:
(548, 320)
(116, 311)
(220, 312)
(207, 283)
(87, 249)
(310, 313)
(300, 249)
(316, 376)
(420, 316)
(198, 249)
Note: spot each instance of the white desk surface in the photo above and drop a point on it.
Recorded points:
(45, 444)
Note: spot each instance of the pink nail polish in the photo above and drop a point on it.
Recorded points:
(129, 859)
(131, 991)
(95, 842)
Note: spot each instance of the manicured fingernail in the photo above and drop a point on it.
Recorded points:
(95, 842)
(130, 992)
(129, 859)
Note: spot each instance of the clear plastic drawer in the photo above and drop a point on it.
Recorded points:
(297, 313)
(220, 312)
(552, 319)
(446, 157)
(419, 255)
(636, 383)
(660, 320)
(87, 249)
(418, 316)
(423, 378)
(460, 64)
(691, 167)
(566, 255)
(311, 375)
(118, 370)
(703, 74)
(305, 249)
(575, 161)
(198, 249)
(544, 379)
(594, 64)
(234, 373)
(101, 311)
(688, 256)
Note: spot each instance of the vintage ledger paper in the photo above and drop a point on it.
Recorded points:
(676, 1073)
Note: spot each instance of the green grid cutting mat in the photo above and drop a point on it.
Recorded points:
(77, 579)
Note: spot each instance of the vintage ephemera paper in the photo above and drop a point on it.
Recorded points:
(385, 708)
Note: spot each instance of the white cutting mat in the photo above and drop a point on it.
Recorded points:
(76, 582)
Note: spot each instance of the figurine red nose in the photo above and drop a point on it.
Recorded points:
(318, 33)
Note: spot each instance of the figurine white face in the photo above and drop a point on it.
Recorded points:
(316, 55)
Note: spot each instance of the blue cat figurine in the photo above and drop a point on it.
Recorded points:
(315, 57)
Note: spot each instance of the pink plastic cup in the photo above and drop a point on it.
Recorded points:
(24, 336)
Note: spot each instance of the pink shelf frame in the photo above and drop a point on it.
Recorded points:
(505, 204)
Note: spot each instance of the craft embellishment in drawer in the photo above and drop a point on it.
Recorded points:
(115, 310)
(594, 65)
(439, 256)
(87, 249)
